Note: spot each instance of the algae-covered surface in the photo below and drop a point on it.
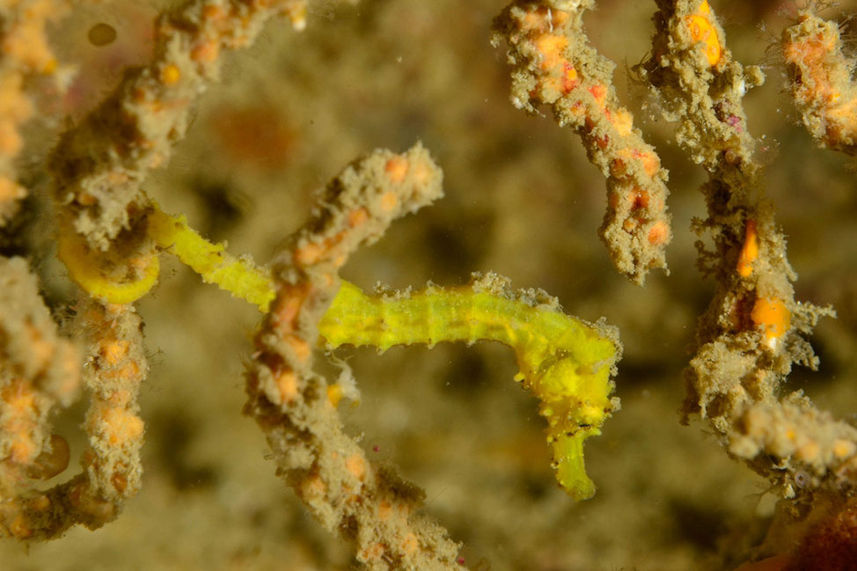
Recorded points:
(522, 200)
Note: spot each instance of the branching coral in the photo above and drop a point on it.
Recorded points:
(111, 237)
(556, 66)
(752, 332)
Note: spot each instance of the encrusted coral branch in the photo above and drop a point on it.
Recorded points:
(554, 65)
(99, 165)
(24, 51)
(752, 332)
(38, 372)
(820, 80)
(290, 402)
(111, 465)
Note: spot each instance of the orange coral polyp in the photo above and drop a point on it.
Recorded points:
(551, 47)
(749, 251)
(170, 74)
(702, 30)
(114, 350)
(120, 426)
(771, 316)
(659, 233)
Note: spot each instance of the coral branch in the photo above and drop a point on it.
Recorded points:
(820, 82)
(752, 332)
(38, 371)
(290, 402)
(555, 66)
(24, 51)
(111, 465)
(99, 165)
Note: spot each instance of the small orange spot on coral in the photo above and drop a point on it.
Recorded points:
(170, 74)
(356, 466)
(10, 140)
(85, 199)
(10, 190)
(139, 95)
(396, 168)
(20, 527)
(659, 233)
(299, 347)
(120, 398)
(121, 426)
(213, 13)
(749, 251)
(334, 395)
(19, 398)
(423, 171)
(702, 30)
(650, 161)
(410, 543)
(114, 350)
(772, 317)
(599, 92)
(119, 482)
(309, 254)
(287, 383)
(40, 503)
(623, 121)
(130, 371)
(313, 487)
(357, 217)
(808, 452)
(22, 450)
(843, 448)
(373, 552)
(286, 312)
(389, 200)
(205, 51)
(569, 78)
(385, 509)
(551, 47)
(618, 169)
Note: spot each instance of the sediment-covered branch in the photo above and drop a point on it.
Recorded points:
(555, 66)
(820, 81)
(39, 371)
(99, 165)
(24, 52)
(111, 468)
(290, 401)
(753, 331)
